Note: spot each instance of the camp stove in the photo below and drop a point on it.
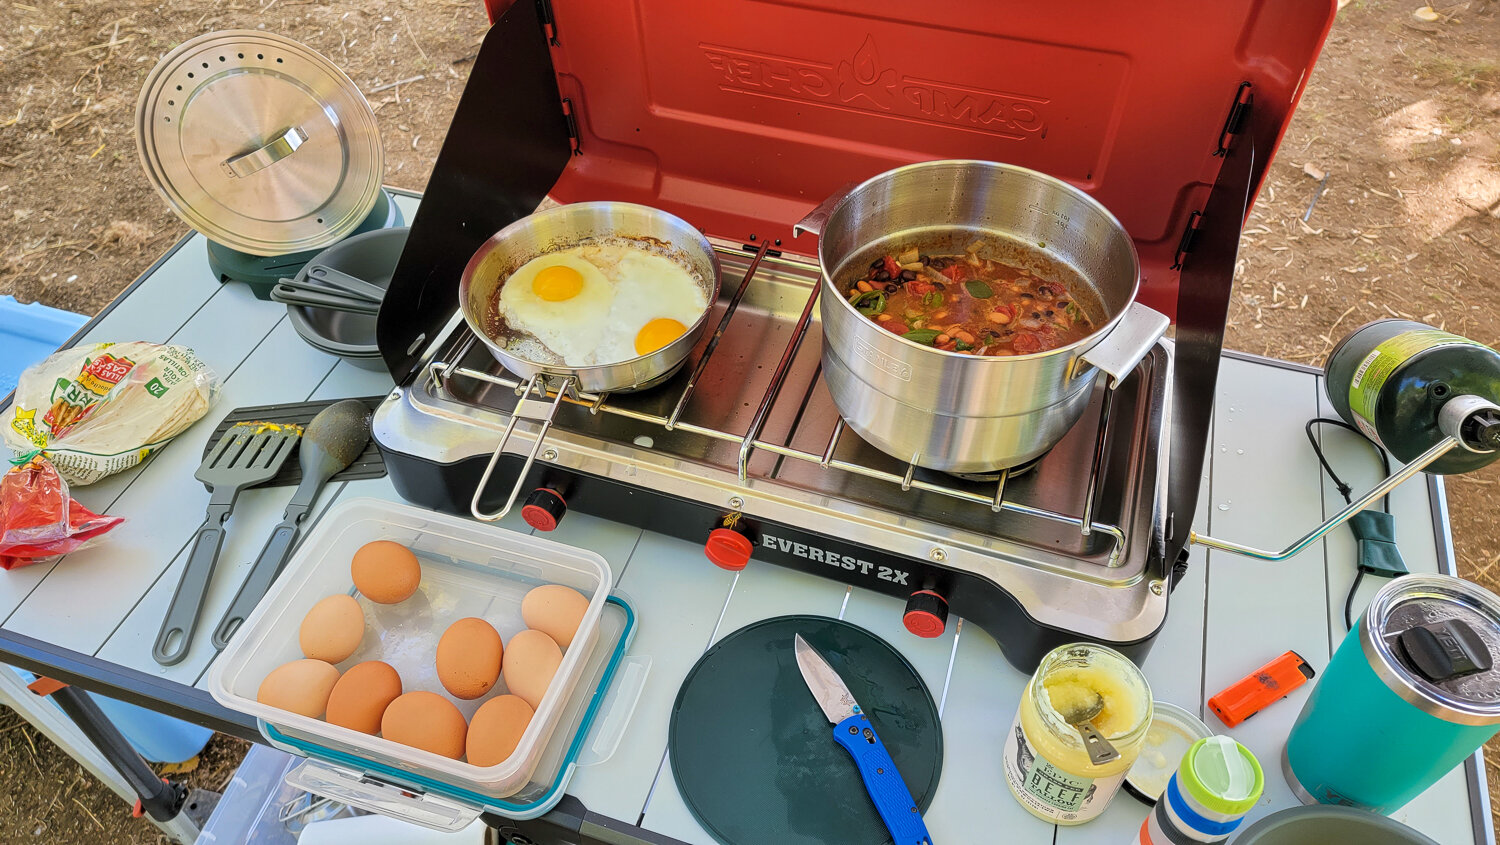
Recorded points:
(720, 122)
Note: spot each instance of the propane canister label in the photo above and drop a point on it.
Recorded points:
(1384, 359)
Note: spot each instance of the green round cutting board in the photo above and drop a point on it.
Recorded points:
(754, 757)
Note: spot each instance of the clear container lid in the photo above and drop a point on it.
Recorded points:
(1173, 731)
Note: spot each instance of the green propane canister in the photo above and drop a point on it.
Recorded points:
(1407, 385)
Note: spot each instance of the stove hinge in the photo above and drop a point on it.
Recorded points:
(549, 22)
(572, 121)
(1236, 120)
(1189, 235)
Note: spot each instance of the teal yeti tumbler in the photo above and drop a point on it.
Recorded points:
(1410, 692)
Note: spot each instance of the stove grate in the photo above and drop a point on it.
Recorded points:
(549, 390)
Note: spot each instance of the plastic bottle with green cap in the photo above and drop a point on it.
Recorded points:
(1217, 782)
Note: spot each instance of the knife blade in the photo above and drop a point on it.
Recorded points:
(853, 731)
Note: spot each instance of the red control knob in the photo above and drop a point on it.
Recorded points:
(728, 549)
(926, 614)
(544, 508)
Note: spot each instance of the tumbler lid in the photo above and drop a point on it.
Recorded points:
(1433, 639)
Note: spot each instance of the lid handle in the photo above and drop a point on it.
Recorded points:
(1443, 651)
(275, 150)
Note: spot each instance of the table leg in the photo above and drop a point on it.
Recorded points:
(156, 797)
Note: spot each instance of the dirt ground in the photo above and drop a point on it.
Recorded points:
(1401, 114)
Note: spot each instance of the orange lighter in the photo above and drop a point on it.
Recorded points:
(1259, 689)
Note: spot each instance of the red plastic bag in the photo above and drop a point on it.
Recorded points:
(38, 519)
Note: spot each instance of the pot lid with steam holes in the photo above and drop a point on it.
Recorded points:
(258, 142)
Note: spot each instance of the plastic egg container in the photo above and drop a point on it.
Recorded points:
(468, 569)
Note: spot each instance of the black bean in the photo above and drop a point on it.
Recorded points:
(892, 288)
(1025, 297)
(881, 276)
(1050, 313)
(877, 264)
(939, 285)
(1035, 316)
(925, 259)
(908, 276)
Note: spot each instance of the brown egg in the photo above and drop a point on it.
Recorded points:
(531, 659)
(468, 658)
(360, 697)
(301, 687)
(496, 729)
(555, 610)
(385, 572)
(332, 630)
(427, 721)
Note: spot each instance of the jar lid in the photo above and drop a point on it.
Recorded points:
(259, 142)
(1434, 640)
(1173, 731)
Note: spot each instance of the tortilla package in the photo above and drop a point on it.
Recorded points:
(98, 409)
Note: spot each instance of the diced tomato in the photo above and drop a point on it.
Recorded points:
(957, 272)
(948, 346)
(1006, 310)
(1026, 343)
(920, 288)
(894, 326)
(892, 267)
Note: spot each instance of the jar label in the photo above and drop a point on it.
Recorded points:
(1047, 790)
(1376, 368)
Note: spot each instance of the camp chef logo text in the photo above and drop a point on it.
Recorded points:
(864, 83)
(833, 558)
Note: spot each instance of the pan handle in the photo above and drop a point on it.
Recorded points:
(538, 410)
(1122, 349)
(818, 217)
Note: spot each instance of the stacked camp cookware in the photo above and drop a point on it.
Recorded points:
(264, 146)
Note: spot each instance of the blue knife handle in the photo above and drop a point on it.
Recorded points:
(892, 799)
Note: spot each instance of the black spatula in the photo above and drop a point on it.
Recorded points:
(247, 455)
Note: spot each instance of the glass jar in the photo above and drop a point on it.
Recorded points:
(1046, 764)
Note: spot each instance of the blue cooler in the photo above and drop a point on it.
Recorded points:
(1412, 690)
(29, 333)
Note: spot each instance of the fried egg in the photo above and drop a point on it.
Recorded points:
(563, 301)
(656, 301)
(600, 303)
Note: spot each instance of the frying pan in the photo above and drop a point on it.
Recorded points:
(550, 231)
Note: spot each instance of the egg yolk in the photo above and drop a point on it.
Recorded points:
(656, 334)
(557, 283)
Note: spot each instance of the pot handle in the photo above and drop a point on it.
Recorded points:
(1120, 352)
(818, 217)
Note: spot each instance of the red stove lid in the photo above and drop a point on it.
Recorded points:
(742, 115)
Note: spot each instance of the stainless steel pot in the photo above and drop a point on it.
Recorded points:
(961, 413)
(549, 231)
